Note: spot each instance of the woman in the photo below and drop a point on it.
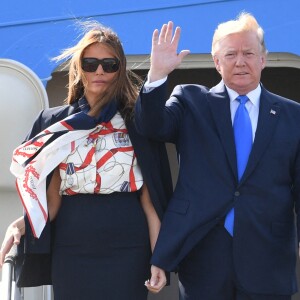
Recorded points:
(102, 208)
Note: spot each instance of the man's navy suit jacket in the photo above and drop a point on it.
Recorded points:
(34, 260)
(198, 121)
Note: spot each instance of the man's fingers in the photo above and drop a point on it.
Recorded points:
(155, 37)
(183, 54)
(155, 289)
(162, 35)
(169, 32)
(157, 280)
(176, 37)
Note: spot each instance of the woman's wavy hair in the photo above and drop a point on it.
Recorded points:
(127, 84)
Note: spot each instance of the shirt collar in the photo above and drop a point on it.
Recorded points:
(254, 95)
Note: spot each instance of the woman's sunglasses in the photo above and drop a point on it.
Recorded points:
(91, 64)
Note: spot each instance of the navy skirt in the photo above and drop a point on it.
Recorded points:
(101, 248)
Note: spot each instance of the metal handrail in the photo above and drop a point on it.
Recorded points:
(9, 290)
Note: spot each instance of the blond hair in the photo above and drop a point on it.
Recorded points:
(126, 86)
(244, 22)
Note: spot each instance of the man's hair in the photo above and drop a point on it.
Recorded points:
(243, 23)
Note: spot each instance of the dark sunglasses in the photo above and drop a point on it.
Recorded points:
(91, 64)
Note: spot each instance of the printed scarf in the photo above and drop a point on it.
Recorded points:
(35, 159)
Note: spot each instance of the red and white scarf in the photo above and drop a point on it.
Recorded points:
(35, 159)
(104, 164)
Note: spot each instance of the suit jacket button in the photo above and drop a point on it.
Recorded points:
(236, 193)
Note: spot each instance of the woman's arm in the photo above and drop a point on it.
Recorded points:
(12, 237)
(158, 277)
(151, 215)
(53, 196)
(17, 228)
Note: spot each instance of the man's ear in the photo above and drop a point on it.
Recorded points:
(263, 61)
(217, 63)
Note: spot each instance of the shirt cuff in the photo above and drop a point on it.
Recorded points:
(149, 86)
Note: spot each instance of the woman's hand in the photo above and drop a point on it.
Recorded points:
(158, 280)
(12, 237)
(164, 55)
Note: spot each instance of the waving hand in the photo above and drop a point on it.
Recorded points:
(164, 55)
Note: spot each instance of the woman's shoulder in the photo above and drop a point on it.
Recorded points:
(58, 111)
(49, 116)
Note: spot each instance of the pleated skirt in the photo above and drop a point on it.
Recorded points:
(101, 248)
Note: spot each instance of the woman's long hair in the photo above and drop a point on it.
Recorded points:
(126, 85)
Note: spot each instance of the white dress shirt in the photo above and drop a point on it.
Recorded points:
(252, 106)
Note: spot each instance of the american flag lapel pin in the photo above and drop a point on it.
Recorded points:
(273, 112)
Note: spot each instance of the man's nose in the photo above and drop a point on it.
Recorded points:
(240, 59)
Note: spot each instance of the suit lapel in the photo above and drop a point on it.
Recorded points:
(269, 112)
(220, 106)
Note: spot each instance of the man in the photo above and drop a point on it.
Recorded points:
(229, 228)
